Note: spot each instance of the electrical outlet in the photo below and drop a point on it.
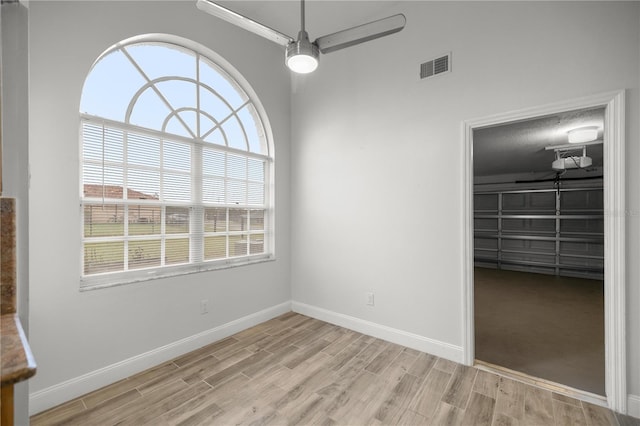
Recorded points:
(369, 298)
(204, 306)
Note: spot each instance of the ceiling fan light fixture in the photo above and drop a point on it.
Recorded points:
(583, 134)
(302, 56)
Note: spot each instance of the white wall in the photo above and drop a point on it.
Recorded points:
(76, 335)
(14, 159)
(377, 155)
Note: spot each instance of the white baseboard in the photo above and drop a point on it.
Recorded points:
(633, 406)
(57, 394)
(394, 335)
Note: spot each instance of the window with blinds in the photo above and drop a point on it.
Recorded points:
(175, 167)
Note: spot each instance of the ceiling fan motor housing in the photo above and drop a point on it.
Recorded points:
(302, 55)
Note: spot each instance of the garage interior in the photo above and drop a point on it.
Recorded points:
(539, 248)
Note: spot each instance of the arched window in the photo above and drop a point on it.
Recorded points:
(176, 164)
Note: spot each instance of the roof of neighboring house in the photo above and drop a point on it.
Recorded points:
(114, 191)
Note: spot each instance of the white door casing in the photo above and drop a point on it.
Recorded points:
(614, 230)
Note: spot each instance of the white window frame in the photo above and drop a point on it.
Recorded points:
(197, 232)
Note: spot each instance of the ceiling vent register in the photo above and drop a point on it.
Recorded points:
(436, 66)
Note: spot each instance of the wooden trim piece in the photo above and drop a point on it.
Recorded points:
(542, 383)
(6, 405)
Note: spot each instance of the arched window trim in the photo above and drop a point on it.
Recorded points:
(235, 79)
(224, 66)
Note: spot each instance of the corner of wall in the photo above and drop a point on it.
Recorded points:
(15, 164)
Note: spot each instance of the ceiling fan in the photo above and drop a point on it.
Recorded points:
(302, 55)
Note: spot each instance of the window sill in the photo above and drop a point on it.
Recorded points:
(98, 282)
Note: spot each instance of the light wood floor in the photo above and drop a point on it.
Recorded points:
(298, 370)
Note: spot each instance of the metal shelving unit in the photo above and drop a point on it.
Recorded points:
(550, 231)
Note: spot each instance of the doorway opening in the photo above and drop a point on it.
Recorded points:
(539, 248)
(559, 255)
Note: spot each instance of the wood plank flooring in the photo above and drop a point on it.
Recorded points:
(298, 370)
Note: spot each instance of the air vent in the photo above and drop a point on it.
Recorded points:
(436, 66)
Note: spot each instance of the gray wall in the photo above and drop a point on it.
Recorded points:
(378, 156)
(73, 333)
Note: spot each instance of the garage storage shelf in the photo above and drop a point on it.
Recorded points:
(548, 231)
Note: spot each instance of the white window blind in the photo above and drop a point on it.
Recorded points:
(185, 187)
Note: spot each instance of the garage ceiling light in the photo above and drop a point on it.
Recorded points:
(583, 134)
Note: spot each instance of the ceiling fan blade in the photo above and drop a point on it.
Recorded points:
(361, 33)
(243, 22)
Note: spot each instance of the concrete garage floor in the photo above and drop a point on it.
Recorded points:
(545, 326)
